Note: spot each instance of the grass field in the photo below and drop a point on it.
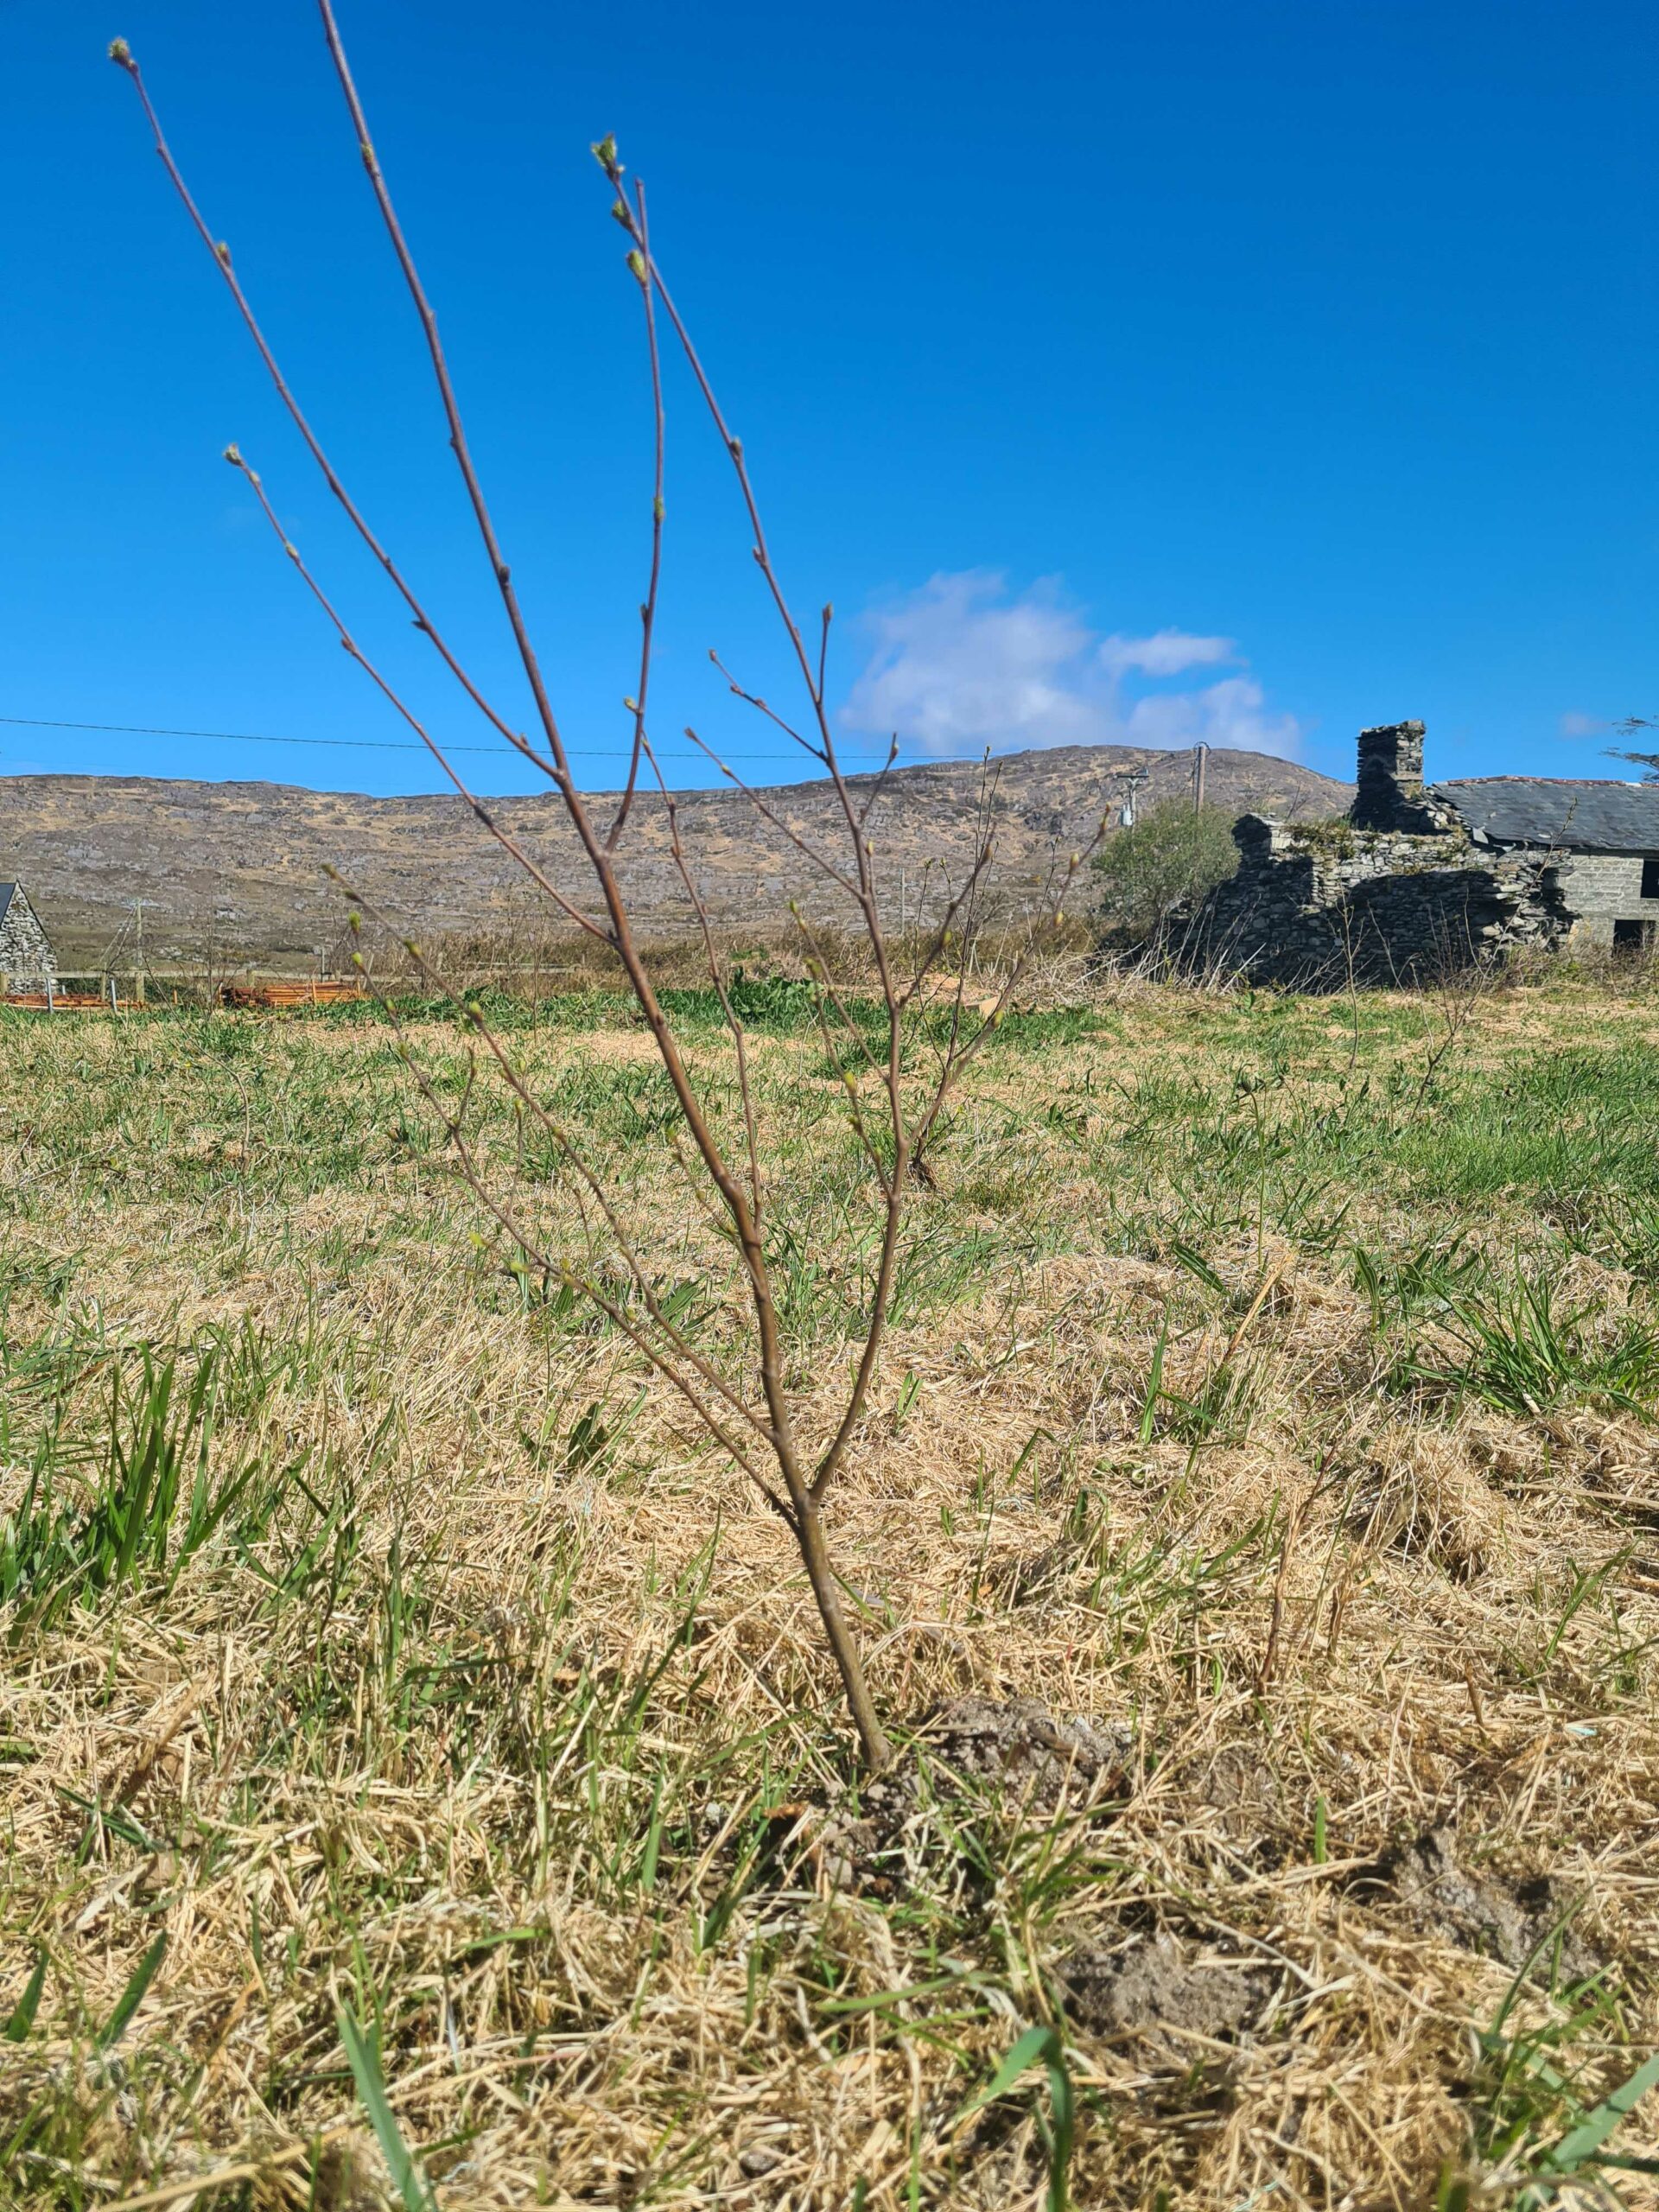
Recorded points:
(422, 1778)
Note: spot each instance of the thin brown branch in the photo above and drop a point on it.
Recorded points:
(764, 707)
(572, 1153)
(763, 561)
(878, 785)
(222, 256)
(829, 990)
(587, 1285)
(803, 1508)
(716, 976)
(809, 853)
(508, 843)
(731, 1192)
(639, 266)
(954, 906)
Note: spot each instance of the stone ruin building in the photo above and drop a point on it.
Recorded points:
(26, 960)
(1416, 880)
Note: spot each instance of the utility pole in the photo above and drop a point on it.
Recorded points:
(138, 977)
(1200, 757)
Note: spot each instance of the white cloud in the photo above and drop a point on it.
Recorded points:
(1232, 713)
(1577, 725)
(957, 665)
(964, 663)
(1167, 652)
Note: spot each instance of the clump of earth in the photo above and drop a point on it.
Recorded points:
(1011, 1754)
(1156, 1984)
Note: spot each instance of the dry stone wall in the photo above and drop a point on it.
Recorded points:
(1398, 891)
(1314, 904)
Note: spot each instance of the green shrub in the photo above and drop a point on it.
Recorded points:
(1172, 853)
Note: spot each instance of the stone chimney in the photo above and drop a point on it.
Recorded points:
(1390, 795)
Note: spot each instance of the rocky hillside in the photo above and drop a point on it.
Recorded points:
(235, 873)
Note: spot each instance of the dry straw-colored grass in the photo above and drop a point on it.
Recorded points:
(493, 1710)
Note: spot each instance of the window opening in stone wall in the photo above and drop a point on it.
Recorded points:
(1632, 937)
(1650, 876)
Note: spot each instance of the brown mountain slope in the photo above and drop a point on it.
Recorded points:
(235, 873)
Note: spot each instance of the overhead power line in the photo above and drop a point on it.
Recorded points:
(240, 736)
(356, 744)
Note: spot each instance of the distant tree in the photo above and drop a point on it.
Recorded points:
(1648, 762)
(1172, 853)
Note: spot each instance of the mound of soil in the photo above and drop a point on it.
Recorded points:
(1017, 1741)
(1156, 1986)
(1009, 1754)
(1506, 1920)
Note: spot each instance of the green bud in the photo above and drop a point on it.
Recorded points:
(619, 214)
(604, 152)
(233, 455)
(637, 263)
(223, 250)
(121, 53)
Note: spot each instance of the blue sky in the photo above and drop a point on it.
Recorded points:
(1250, 372)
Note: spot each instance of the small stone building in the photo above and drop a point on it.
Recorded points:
(26, 960)
(1419, 879)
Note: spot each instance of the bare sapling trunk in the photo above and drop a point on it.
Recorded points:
(896, 1081)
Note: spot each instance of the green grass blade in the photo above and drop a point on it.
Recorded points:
(133, 1995)
(23, 2016)
(1149, 1425)
(1587, 2138)
(411, 2182)
(1038, 2045)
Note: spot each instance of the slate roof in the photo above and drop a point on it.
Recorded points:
(1587, 814)
(7, 891)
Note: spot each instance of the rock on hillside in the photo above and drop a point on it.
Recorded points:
(235, 873)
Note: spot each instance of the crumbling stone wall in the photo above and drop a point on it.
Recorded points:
(25, 962)
(1395, 891)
